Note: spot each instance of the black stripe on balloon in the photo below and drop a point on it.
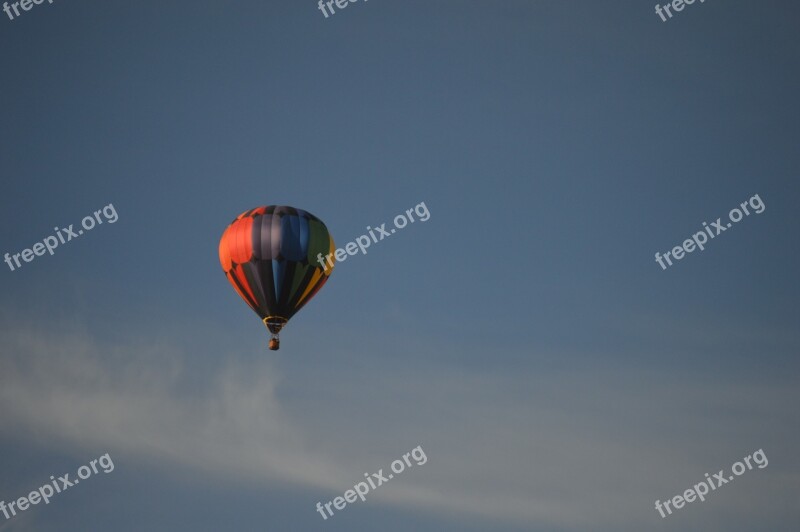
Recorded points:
(286, 287)
(301, 288)
(321, 281)
(264, 268)
(256, 286)
(255, 236)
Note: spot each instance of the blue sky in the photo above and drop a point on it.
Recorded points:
(524, 336)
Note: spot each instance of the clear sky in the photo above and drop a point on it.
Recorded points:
(556, 377)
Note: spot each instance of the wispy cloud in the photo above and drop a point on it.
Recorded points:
(569, 448)
(148, 399)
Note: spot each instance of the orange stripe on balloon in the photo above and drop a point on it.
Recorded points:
(247, 300)
(314, 278)
(224, 251)
(238, 273)
(240, 242)
(313, 292)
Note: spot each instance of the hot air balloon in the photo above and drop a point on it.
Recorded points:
(270, 256)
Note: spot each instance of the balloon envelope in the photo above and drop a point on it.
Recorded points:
(270, 256)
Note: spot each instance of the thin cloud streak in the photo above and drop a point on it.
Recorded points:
(507, 446)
